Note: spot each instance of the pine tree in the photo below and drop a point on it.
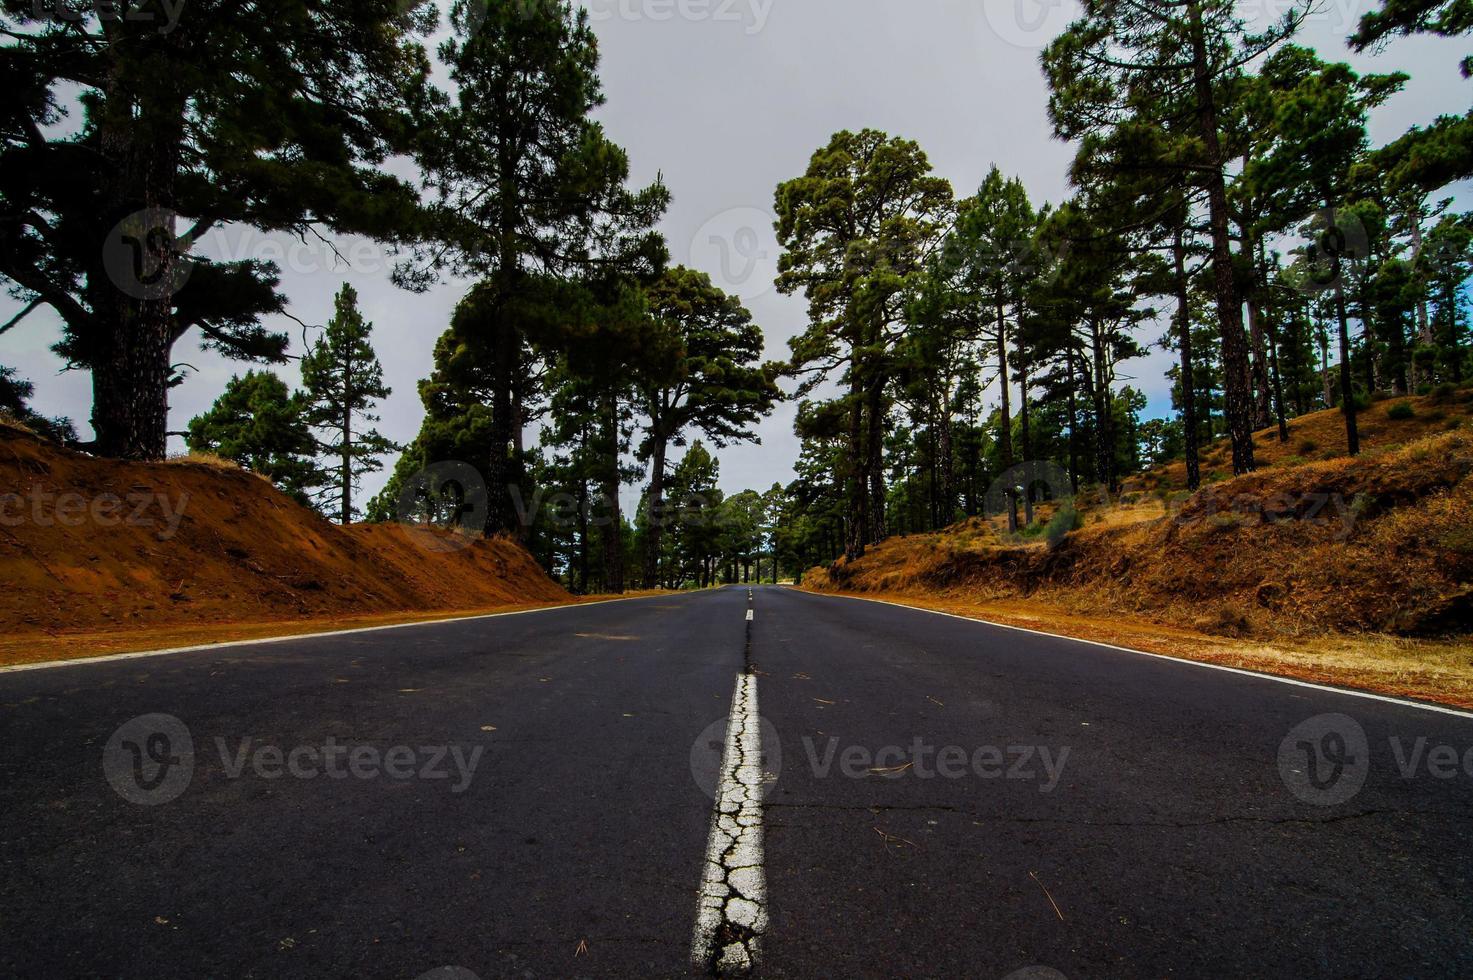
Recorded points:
(1175, 63)
(857, 229)
(1318, 113)
(130, 137)
(262, 426)
(342, 379)
(700, 369)
(529, 193)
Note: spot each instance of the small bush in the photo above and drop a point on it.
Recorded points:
(1443, 394)
(1401, 411)
(1307, 447)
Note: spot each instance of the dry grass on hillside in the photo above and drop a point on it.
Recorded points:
(1341, 560)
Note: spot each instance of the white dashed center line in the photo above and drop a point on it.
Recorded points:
(731, 912)
(749, 614)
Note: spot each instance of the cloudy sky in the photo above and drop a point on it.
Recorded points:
(725, 98)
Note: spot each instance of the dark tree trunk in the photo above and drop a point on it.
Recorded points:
(1190, 432)
(655, 503)
(1026, 440)
(612, 526)
(856, 493)
(1073, 414)
(875, 461)
(1237, 389)
(347, 445)
(1278, 381)
(1005, 422)
(138, 269)
(1347, 385)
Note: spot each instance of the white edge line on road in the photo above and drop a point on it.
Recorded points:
(1296, 682)
(227, 644)
(733, 882)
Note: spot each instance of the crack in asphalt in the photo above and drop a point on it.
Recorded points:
(732, 910)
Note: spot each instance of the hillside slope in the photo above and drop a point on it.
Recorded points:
(1381, 543)
(99, 545)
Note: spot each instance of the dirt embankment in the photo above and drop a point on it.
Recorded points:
(90, 545)
(1358, 571)
(1379, 543)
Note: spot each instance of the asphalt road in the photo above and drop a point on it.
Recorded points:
(533, 795)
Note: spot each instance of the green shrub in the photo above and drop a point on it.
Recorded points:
(1307, 447)
(1401, 411)
(1443, 394)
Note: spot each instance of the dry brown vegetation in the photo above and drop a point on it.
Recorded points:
(198, 548)
(1321, 568)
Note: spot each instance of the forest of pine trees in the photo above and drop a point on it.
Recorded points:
(1226, 206)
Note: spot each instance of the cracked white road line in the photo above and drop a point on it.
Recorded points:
(731, 912)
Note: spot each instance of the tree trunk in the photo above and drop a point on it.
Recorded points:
(946, 461)
(347, 445)
(1005, 423)
(1073, 414)
(1237, 390)
(875, 462)
(613, 526)
(138, 269)
(1262, 406)
(1024, 435)
(1184, 346)
(856, 492)
(1347, 386)
(655, 503)
(1278, 382)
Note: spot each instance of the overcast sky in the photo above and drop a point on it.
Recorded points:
(726, 98)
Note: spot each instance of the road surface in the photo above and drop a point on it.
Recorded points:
(800, 785)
